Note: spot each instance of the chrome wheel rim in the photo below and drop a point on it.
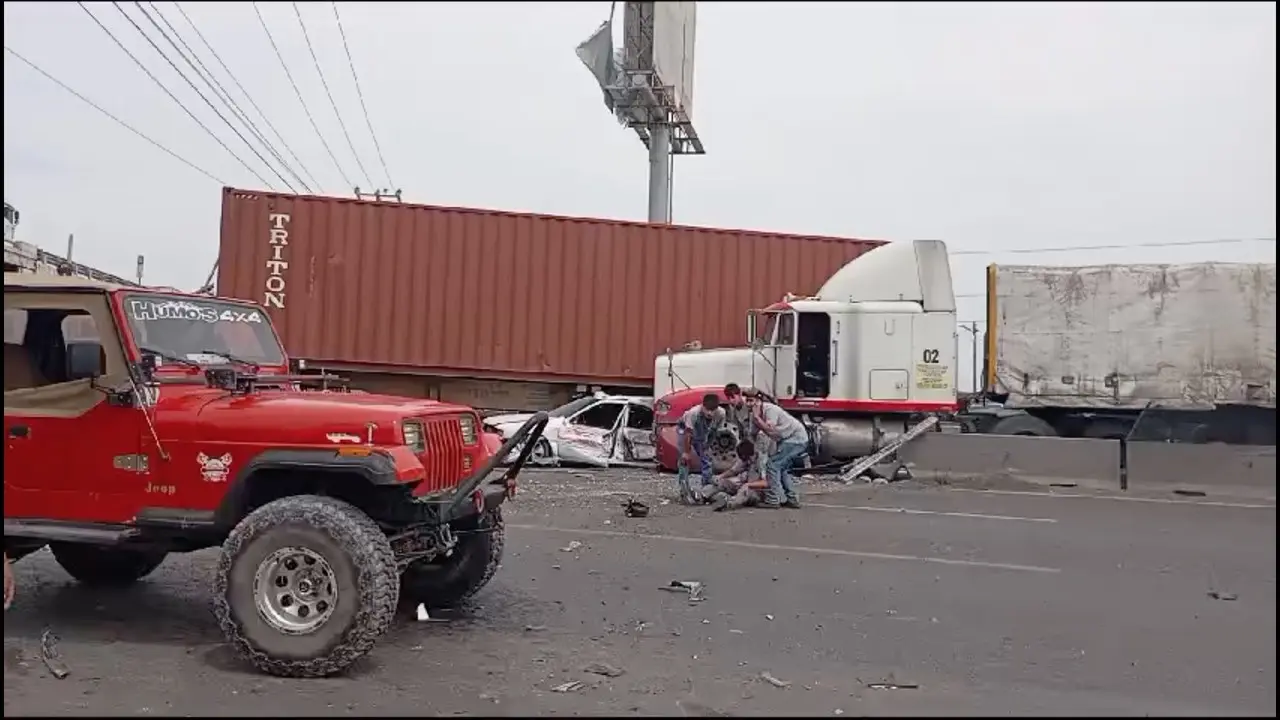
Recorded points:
(295, 590)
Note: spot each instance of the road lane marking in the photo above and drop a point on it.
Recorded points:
(793, 548)
(1121, 498)
(913, 511)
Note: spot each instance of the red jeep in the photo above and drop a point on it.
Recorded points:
(139, 423)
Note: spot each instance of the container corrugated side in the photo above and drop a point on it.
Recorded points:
(502, 295)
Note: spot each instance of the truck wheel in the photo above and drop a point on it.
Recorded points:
(305, 586)
(448, 581)
(106, 566)
(1022, 425)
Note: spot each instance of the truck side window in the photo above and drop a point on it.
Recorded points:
(786, 329)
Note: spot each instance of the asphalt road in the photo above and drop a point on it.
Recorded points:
(899, 599)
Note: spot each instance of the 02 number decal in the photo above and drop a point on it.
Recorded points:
(930, 356)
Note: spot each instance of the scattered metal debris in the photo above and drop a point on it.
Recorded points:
(1218, 595)
(769, 678)
(569, 687)
(693, 587)
(635, 509)
(893, 686)
(605, 669)
(573, 545)
(49, 653)
(424, 616)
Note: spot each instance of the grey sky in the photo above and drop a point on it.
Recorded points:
(988, 125)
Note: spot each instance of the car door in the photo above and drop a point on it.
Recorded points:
(637, 432)
(590, 435)
(70, 452)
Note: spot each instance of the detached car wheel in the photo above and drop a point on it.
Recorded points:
(106, 566)
(305, 586)
(448, 581)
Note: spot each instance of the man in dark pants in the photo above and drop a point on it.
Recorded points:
(695, 430)
(791, 441)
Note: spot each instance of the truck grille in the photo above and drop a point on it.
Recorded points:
(445, 458)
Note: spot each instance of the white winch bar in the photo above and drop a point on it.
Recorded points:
(851, 471)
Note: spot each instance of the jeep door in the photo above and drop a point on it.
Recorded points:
(70, 454)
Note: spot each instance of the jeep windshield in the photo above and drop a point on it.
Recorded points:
(200, 331)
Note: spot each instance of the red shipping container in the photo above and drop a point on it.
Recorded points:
(502, 295)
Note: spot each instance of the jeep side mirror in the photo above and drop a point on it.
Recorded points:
(147, 364)
(84, 360)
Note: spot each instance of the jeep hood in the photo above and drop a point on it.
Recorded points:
(304, 418)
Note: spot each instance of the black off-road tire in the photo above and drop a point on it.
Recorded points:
(363, 564)
(448, 582)
(101, 566)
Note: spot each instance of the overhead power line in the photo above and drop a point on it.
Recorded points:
(203, 97)
(360, 94)
(169, 92)
(271, 39)
(117, 120)
(193, 61)
(316, 61)
(311, 179)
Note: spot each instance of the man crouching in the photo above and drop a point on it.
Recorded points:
(740, 485)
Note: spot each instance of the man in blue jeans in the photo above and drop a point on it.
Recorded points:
(695, 430)
(792, 441)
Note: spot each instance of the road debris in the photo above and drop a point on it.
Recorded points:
(605, 669)
(693, 587)
(573, 545)
(424, 616)
(1218, 595)
(893, 686)
(635, 509)
(769, 618)
(49, 653)
(769, 678)
(534, 628)
(569, 687)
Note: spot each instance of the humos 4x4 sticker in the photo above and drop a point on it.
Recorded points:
(196, 312)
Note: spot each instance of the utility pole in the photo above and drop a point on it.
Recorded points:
(972, 328)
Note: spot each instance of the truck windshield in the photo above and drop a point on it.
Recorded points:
(202, 331)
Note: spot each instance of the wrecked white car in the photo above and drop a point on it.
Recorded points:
(600, 430)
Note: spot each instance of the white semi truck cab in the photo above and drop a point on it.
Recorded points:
(857, 362)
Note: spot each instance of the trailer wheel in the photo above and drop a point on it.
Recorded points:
(448, 581)
(1022, 424)
(305, 586)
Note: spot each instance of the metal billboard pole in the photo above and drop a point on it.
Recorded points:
(649, 85)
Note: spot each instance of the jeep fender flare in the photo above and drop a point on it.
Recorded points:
(376, 468)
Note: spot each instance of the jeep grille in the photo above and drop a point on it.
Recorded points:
(444, 458)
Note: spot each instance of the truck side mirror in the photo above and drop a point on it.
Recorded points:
(84, 360)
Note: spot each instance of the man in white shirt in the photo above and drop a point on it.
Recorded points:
(792, 441)
(695, 430)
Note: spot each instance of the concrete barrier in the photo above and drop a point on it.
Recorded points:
(1212, 469)
(1085, 462)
